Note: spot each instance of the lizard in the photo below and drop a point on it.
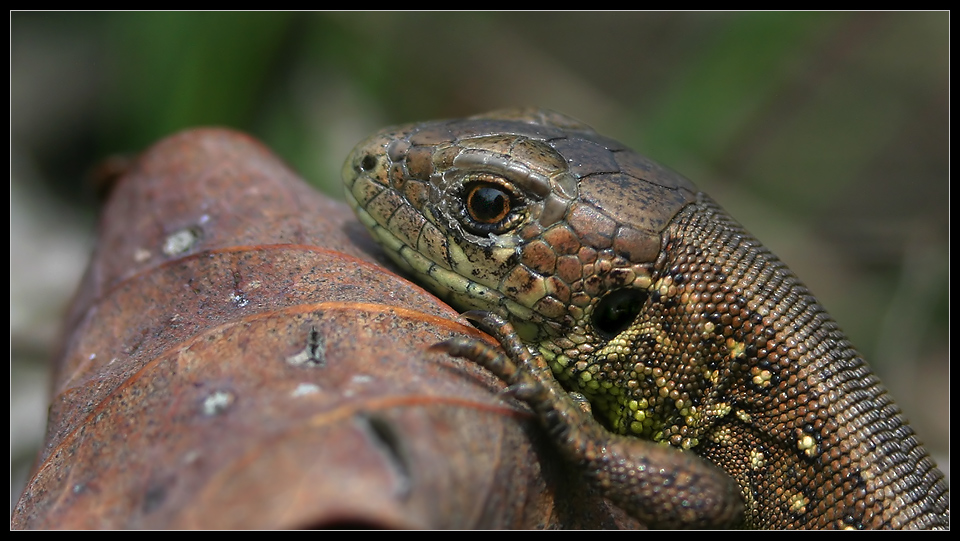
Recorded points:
(673, 358)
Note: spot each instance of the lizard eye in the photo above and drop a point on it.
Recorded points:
(489, 207)
(617, 310)
(487, 203)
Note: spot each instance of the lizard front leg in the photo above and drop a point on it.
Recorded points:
(661, 486)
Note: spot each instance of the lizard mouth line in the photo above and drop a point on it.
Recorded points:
(441, 280)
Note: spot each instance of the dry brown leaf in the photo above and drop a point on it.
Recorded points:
(237, 357)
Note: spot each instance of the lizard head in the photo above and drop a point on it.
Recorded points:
(532, 215)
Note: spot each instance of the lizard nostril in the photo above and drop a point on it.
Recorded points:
(368, 162)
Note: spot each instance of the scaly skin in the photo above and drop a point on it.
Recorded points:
(601, 271)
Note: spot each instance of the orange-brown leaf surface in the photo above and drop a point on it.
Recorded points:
(237, 357)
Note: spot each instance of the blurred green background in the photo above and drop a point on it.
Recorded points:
(826, 134)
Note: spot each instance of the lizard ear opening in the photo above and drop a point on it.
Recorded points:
(617, 310)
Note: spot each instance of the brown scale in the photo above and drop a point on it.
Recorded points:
(811, 476)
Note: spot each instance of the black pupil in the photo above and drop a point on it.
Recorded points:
(617, 310)
(488, 204)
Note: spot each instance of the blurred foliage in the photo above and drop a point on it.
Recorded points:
(688, 86)
(825, 133)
